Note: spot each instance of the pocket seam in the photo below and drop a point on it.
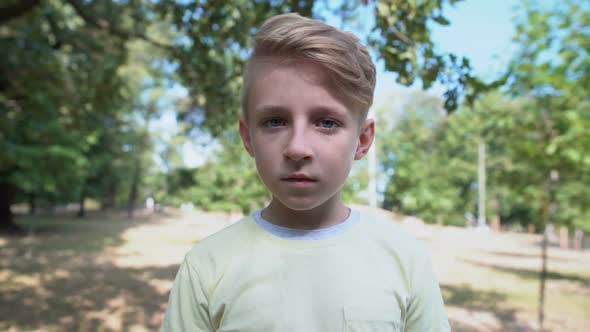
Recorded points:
(358, 315)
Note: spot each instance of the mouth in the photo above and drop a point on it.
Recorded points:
(299, 179)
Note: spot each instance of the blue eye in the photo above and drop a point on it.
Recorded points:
(328, 123)
(272, 123)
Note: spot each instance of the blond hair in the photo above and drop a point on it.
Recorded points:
(292, 38)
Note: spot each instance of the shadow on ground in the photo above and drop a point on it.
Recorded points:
(533, 274)
(57, 232)
(60, 281)
(90, 298)
(535, 256)
(476, 301)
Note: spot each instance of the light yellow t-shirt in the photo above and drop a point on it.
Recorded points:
(373, 277)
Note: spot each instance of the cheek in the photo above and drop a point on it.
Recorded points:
(265, 170)
(339, 155)
(264, 150)
(346, 148)
(265, 157)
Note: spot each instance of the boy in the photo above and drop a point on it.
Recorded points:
(306, 262)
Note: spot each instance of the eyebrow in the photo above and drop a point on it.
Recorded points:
(270, 110)
(330, 111)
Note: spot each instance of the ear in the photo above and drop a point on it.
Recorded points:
(245, 134)
(366, 136)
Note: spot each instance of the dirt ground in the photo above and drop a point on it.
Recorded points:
(109, 274)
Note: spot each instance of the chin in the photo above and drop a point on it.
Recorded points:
(300, 204)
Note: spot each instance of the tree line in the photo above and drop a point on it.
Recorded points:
(81, 81)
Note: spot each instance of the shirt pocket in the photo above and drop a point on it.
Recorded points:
(363, 319)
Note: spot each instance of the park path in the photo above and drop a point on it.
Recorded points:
(112, 274)
(481, 272)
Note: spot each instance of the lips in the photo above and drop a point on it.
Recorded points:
(298, 178)
(299, 181)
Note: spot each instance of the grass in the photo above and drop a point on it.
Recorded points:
(109, 274)
(490, 281)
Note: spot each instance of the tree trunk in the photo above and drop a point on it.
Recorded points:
(133, 192)
(543, 277)
(481, 183)
(548, 219)
(17, 9)
(51, 204)
(32, 204)
(108, 199)
(82, 198)
(7, 225)
(496, 220)
(579, 239)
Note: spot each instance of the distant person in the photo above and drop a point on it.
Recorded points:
(306, 262)
(150, 204)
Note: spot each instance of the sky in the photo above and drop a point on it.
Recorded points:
(481, 30)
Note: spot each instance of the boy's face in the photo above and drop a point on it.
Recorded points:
(302, 137)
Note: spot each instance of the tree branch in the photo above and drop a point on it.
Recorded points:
(20, 8)
(103, 24)
(401, 35)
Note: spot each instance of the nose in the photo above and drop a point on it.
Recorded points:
(298, 147)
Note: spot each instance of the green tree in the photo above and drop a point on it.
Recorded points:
(78, 47)
(214, 37)
(72, 96)
(227, 181)
(427, 176)
(401, 36)
(53, 94)
(429, 154)
(550, 70)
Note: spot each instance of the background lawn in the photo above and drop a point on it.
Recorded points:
(109, 274)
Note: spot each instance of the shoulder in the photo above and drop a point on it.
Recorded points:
(383, 229)
(222, 245)
(410, 254)
(388, 239)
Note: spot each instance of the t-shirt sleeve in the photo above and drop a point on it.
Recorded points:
(426, 309)
(188, 308)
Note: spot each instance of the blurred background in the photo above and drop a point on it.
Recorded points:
(119, 151)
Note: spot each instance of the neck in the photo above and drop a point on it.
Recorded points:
(323, 216)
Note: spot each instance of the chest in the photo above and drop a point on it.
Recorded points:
(321, 290)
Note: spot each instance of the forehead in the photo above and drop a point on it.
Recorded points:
(295, 85)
